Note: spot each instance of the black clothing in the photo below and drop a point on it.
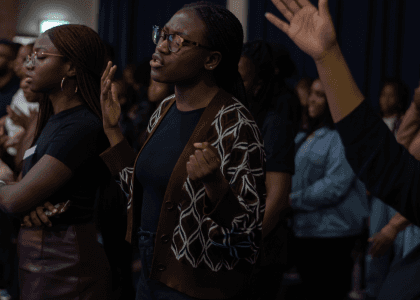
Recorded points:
(76, 138)
(6, 94)
(158, 158)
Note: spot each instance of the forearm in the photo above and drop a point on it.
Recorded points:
(399, 222)
(342, 93)
(410, 126)
(274, 212)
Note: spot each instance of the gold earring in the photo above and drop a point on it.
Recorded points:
(62, 82)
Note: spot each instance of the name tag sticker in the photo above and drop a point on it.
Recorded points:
(29, 152)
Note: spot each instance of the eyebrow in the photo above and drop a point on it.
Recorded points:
(177, 32)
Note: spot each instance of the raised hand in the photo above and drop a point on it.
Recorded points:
(111, 109)
(311, 29)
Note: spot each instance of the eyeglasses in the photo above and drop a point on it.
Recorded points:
(175, 41)
(33, 58)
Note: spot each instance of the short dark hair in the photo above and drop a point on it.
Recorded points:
(14, 47)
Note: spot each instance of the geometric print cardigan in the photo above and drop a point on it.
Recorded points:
(205, 252)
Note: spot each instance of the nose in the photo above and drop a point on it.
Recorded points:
(163, 47)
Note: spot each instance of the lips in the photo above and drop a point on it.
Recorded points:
(156, 61)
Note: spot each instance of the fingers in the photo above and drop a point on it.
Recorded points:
(283, 26)
(292, 5)
(303, 3)
(323, 8)
(287, 13)
(105, 74)
(50, 207)
(41, 215)
(34, 219)
(114, 93)
(106, 89)
(26, 222)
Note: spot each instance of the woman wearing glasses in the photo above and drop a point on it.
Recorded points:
(63, 260)
(196, 191)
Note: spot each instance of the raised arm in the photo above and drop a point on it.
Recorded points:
(312, 30)
(409, 132)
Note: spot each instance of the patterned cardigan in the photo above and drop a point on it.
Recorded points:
(205, 252)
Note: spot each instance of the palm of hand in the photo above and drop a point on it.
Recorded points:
(312, 33)
(112, 112)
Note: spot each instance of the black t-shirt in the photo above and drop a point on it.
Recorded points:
(158, 159)
(7, 93)
(76, 138)
(279, 144)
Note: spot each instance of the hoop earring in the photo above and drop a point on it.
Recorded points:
(62, 82)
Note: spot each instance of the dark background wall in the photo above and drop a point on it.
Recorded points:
(379, 38)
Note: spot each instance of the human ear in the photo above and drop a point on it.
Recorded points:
(71, 69)
(213, 60)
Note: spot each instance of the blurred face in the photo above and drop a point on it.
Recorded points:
(29, 95)
(187, 64)
(388, 99)
(317, 102)
(46, 74)
(6, 58)
(19, 63)
(303, 95)
(247, 70)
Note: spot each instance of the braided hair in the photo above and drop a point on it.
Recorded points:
(224, 33)
(274, 94)
(83, 47)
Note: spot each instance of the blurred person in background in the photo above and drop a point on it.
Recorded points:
(329, 203)
(302, 90)
(9, 85)
(393, 101)
(269, 100)
(9, 81)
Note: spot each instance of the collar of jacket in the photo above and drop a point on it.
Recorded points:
(173, 194)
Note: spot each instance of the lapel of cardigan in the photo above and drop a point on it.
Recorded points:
(131, 211)
(179, 173)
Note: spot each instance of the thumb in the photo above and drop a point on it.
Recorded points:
(323, 9)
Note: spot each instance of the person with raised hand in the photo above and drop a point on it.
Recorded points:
(196, 191)
(389, 171)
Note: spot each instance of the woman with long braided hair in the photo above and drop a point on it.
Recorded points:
(63, 260)
(196, 191)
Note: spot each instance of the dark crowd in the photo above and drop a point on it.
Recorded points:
(202, 173)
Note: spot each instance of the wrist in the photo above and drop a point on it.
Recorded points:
(114, 135)
(333, 51)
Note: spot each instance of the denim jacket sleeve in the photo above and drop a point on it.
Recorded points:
(329, 190)
(388, 170)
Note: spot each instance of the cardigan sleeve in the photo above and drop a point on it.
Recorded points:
(120, 161)
(388, 170)
(237, 218)
(333, 187)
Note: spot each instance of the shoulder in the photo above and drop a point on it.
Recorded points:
(82, 121)
(158, 112)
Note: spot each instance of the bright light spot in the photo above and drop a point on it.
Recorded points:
(47, 24)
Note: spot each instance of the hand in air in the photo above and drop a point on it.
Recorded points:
(111, 109)
(382, 241)
(204, 164)
(311, 29)
(20, 118)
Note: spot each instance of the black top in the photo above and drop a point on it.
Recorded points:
(76, 138)
(388, 170)
(279, 144)
(6, 94)
(158, 158)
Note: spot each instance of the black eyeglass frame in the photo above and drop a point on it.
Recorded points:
(159, 31)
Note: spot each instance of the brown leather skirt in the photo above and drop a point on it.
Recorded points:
(63, 263)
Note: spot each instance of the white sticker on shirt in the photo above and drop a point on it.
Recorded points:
(29, 152)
